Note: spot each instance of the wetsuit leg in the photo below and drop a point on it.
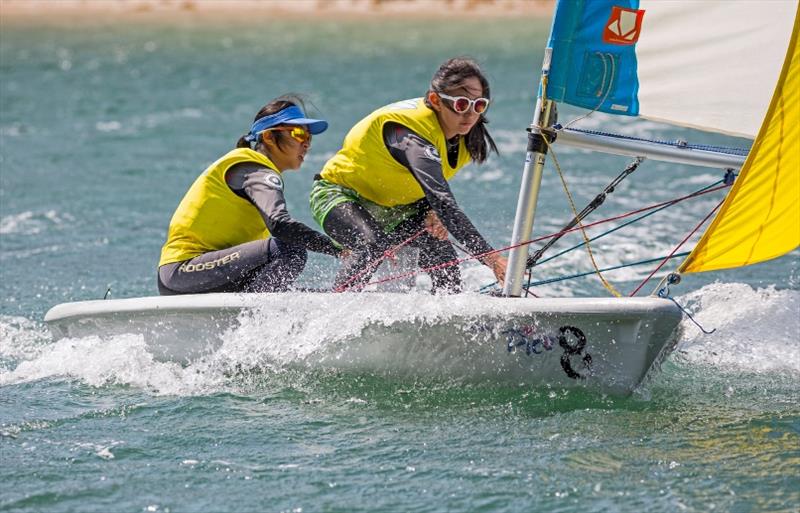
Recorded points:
(259, 266)
(353, 227)
(286, 262)
(432, 252)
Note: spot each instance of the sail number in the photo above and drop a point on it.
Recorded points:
(571, 339)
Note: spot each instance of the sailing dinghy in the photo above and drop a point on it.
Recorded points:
(728, 67)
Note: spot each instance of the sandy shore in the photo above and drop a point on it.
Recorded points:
(79, 12)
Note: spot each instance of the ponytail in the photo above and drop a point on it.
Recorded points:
(243, 142)
(478, 141)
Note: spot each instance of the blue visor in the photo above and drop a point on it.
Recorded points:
(289, 116)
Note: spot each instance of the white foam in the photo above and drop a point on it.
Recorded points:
(138, 123)
(32, 223)
(122, 359)
(21, 338)
(108, 126)
(277, 338)
(269, 341)
(14, 129)
(757, 330)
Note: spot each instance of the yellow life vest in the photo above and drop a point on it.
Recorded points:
(365, 165)
(211, 216)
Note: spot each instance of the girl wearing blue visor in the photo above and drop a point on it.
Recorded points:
(232, 231)
(390, 180)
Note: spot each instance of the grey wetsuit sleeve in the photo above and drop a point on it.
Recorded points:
(264, 188)
(423, 161)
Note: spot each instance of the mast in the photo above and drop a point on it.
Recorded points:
(543, 116)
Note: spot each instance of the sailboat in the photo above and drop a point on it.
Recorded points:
(731, 68)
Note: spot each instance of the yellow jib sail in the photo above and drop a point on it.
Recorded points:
(760, 218)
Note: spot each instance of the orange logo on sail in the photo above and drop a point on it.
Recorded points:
(623, 26)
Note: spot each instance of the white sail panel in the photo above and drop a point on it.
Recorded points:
(712, 64)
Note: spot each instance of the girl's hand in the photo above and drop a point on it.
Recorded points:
(434, 226)
(498, 265)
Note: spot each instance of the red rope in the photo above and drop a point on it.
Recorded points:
(701, 223)
(435, 267)
(389, 253)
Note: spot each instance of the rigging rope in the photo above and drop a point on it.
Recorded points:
(672, 279)
(544, 237)
(389, 253)
(579, 217)
(623, 225)
(612, 268)
(701, 223)
(653, 210)
(593, 205)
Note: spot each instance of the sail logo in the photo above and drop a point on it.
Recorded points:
(623, 26)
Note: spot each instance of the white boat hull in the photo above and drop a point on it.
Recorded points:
(603, 344)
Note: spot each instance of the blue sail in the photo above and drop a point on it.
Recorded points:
(588, 70)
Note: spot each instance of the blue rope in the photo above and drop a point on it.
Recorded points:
(621, 266)
(705, 147)
(579, 275)
(664, 293)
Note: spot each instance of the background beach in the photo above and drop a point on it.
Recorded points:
(86, 11)
(109, 110)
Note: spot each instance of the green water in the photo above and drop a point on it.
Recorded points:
(104, 127)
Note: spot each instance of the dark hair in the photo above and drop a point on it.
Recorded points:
(450, 75)
(276, 105)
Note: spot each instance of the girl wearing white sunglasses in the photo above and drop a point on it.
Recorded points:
(390, 180)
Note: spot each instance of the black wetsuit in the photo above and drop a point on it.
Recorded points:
(264, 265)
(351, 225)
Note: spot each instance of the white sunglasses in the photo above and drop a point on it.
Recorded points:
(462, 104)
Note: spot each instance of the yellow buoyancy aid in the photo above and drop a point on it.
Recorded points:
(365, 165)
(211, 216)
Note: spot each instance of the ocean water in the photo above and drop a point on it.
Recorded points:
(103, 126)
